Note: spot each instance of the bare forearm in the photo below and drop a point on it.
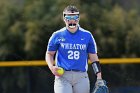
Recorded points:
(50, 60)
(99, 75)
(93, 57)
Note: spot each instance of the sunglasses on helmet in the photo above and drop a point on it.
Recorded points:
(70, 17)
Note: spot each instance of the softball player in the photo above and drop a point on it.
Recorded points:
(72, 45)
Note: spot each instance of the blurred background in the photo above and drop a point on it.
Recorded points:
(26, 26)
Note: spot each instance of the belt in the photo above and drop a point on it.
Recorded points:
(74, 70)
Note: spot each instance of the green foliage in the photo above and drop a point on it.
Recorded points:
(8, 18)
(132, 42)
(113, 27)
(112, 30)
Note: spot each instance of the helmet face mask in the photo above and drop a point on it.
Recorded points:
(71, 16)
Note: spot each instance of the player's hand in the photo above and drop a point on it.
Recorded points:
(54, 70)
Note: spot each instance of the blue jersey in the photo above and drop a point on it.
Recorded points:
(72, 48)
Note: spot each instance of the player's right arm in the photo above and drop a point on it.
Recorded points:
(50, 61)
(51, 50)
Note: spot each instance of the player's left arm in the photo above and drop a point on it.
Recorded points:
(95, 62)
(100, 85)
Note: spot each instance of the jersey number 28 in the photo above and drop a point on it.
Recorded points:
(73, 54)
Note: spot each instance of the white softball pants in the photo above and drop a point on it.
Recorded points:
(72, 82)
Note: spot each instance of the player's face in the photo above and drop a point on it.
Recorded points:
(71, 20)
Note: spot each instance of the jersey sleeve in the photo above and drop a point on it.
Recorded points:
(52, 44)
(92, 48)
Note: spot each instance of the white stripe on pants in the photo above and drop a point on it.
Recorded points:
(72, 82)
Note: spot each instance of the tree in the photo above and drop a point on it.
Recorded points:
(9, 15)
